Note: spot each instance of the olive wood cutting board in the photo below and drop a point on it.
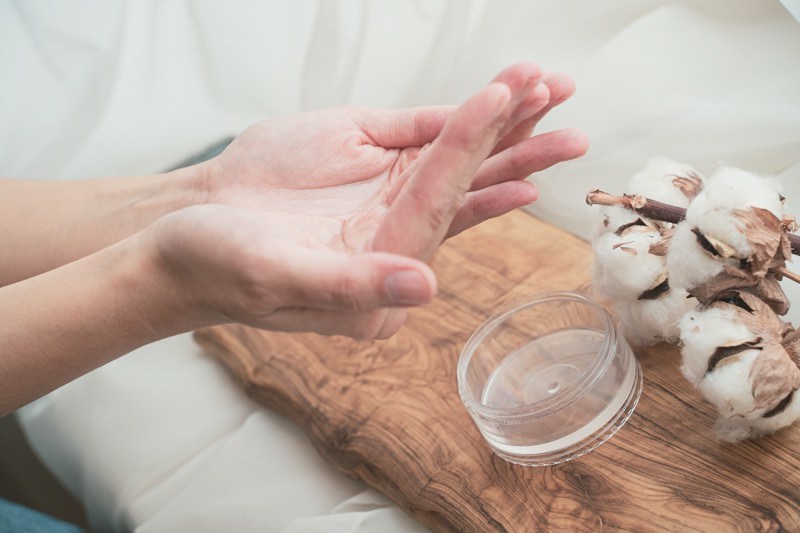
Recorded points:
(388, 413)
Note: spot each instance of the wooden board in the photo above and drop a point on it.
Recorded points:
(388, 413)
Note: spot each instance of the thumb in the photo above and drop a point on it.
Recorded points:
(357, 282)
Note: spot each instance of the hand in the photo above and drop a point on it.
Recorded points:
(230, 264)
(337, 197)
(400, 181)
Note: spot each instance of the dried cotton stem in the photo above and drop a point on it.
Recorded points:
(786, 273)
(663, 212)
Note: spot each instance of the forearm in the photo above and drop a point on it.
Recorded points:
(46, 224)
(61, 324)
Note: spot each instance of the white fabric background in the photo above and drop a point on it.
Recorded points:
(162, 440)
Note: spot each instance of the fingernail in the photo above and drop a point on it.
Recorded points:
(408, 287)
(500, 95)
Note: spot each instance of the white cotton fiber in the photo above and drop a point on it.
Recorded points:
(694, 259)
(612, 218)
(656, 181)
(711, 212)
(721, 229)
(737, 428)
(728, 386)
(645, 322)
(734, 429)
(763, 426)
(624, 267)
(688, 263)
(701, 332)
(699, 249)
(733, 188)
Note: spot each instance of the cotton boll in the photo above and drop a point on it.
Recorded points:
(646, 322)
(733, 188)
(730, 188)
(657, 181)
(702, 332)
(748, 373)
(624, 266)
(688, 263)
(732, 236)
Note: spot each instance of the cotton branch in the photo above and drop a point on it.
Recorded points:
(659, 211)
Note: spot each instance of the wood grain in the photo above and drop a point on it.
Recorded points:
(388, 413)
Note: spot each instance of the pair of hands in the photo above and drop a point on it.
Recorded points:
(324, 221)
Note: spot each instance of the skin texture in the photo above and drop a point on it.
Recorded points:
(322, 222)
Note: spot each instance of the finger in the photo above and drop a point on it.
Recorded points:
(532, 155)
(419, 126)
(358, 282)
(400, 128)
(560, 88)
(417, 220)
(365, 325)
(492, 202)
(523, 79)
(517, 129)
(536, 99)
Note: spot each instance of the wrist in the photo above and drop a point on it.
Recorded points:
(205, 180)
(185, 187)
(162, 288)
(155, 305)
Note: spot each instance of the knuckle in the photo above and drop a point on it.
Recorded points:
(436, 212)
(471, 208)
(418, 120)
(349, 293)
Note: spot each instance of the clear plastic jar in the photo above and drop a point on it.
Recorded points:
(549, 380)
